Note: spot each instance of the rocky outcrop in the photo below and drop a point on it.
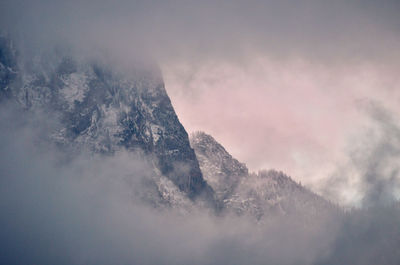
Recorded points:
(221, 171)
(102, 109)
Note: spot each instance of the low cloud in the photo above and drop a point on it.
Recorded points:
(84, 210)
(370, 176)
(196, 30)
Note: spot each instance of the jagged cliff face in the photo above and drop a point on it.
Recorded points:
(268, 193)
(102, 110)
(221, 171)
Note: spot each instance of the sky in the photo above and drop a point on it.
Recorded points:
(291, 85)
(296, 116)
(281, 84)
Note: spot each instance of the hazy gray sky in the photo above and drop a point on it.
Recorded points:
(279, 83)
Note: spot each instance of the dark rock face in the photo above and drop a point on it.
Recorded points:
(8, 67)
(103, 110)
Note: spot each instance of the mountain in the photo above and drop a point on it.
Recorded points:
(100, 108)
(259, 194)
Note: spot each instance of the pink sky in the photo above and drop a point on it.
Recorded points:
(292, 115)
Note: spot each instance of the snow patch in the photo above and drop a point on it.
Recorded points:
(75, 88)
(156, 131)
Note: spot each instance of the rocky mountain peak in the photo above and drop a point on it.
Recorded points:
(101, 109)
(221, 171)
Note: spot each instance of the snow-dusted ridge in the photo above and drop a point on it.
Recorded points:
(267, 192)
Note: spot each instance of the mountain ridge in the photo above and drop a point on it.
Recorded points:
(268, 192)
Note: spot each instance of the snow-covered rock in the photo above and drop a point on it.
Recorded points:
(221, 171)
(102, 109)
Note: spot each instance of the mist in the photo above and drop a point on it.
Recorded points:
(86, 211)
(307, 87)
(369, 176)
(206, 30)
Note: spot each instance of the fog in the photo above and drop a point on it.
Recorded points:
(208, 30)
(307, 87)
(370, 174)
(85, 211)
